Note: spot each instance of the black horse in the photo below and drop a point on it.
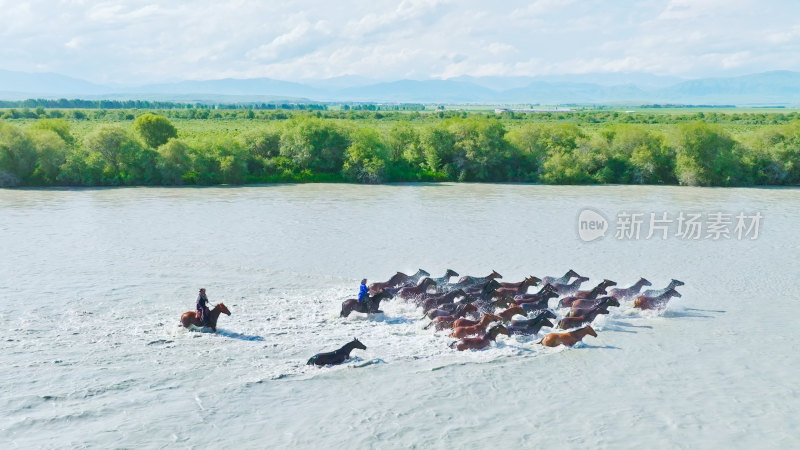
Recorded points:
(338, 356)
(367, 307)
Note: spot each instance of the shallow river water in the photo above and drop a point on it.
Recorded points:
(93, 282)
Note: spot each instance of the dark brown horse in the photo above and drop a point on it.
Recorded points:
(580, 307)
(399, 279)
(658, 302)
(190, 318)
(588, 317)
(434, 301)
(597, 290)
(569, 338)
(413, 291)
(372, 306)
(460, 311)
(530, 327)
(546, 292)
(629, 292)
(336, 356)
(481, 342)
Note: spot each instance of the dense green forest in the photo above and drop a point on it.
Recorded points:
(205, 146)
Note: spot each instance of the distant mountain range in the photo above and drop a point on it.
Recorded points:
(777, 87)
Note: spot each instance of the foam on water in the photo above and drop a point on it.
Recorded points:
(93, 283)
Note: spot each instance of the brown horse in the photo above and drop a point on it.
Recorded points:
(580, 307)
(478, 328)
(572, 322)
(419, 289)
(398, 279)
(468, 322)
(511, 312)
(597, 290)
(518, 288)
(629, 292)
(481, 342)
(568, 338)
(659, 302)
(191, 318)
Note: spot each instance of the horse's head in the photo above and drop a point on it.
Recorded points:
(426, 282)
(673, 293)
(610, 301)
(609, 283)
(581, 280)
(676, 283)
(550, 294)
(547, 323)
(498, 329)
(494, 274)
(571, 273)
(469, 307)
(514, 310)
(590, 331)
(357, 344)
(422, 273)
(450, 273)
(645, 282)
(533, 281)
(547, 313)
(223, 309)
(490, 285)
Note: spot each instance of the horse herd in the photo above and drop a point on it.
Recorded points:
(475, 310)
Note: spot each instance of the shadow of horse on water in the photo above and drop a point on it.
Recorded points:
(240, 336)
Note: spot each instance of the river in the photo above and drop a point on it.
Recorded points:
(93, 282)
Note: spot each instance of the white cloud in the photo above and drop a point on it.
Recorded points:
(137, 41)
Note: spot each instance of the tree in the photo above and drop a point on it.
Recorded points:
(120, 152)
(366, 158)
(314, 144)
(51, 153)
(17, 156)
(155, 130)
(707, 155)
(173, 161)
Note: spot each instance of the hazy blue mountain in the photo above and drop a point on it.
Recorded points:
(46, 84)
(780, 87)
(428, 91)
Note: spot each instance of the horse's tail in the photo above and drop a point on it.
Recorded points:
(540, 341)
(311, 360)
(428, 325)
(452, 344)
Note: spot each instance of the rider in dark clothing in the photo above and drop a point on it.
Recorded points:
(363, 295)
(202, 309)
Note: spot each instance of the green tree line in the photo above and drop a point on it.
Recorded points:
(471, 147)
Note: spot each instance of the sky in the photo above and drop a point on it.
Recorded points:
(138, 41)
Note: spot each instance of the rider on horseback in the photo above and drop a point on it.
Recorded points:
(363, 295)
(202, 310)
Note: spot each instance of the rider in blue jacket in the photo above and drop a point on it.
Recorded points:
(363, 294)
